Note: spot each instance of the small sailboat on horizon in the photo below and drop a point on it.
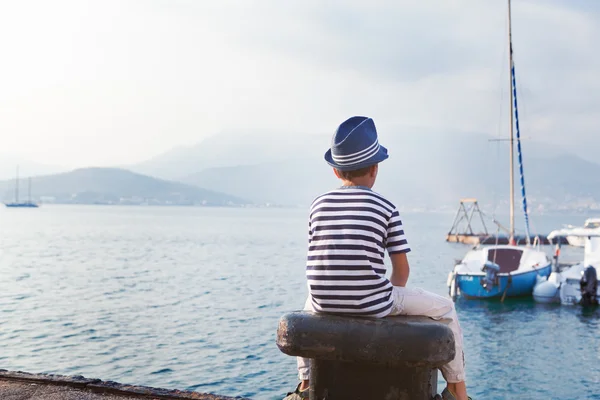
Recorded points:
(499, 271)
(16, 203)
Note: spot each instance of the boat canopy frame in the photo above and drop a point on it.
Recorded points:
(467, 208)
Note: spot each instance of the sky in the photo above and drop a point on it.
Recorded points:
(114, 82)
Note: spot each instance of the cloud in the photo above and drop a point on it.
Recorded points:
(114, 82)
(444, 64)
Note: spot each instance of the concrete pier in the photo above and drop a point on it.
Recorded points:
(394, 358)
(24, 386)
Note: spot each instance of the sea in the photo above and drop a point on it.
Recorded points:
(190, 298)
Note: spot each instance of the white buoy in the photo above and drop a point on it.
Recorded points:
(452, 285)
(546, 291)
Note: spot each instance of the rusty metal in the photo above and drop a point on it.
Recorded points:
(393, 358)
(466, 211)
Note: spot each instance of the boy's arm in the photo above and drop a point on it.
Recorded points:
(400, 269)
(397, 247)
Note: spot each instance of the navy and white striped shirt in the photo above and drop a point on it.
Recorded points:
(349, 230)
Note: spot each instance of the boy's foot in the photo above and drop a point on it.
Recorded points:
(447, 395)
(297, 394)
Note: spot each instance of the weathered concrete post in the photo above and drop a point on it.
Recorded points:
(394, 358)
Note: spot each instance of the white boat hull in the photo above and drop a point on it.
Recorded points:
(561, 287)
(565, 286)
(576, 241)
(576, 236)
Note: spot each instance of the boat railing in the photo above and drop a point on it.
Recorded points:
(537, 243)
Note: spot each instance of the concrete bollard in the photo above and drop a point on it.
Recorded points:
(394, 358)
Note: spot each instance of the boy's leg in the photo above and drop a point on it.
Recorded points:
(304, 363)
(416, 301)
(303, 369)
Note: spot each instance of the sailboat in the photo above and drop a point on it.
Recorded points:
(499, 271)
(16, 203)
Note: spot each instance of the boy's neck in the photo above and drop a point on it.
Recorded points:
(358, 182)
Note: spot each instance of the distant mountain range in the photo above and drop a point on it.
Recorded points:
(229, 150)
(425, 170)
(114, 186)
(294, 182)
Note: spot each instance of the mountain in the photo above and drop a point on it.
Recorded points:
(566, 177)
(294, 182)
(227, 150)
(114, 186)
(426, 169)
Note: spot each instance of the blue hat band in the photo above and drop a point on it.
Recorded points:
(358, 157)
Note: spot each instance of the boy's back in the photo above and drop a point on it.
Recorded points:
(349, 230)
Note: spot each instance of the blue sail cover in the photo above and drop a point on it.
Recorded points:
(520, 156)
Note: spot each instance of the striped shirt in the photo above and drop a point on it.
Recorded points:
(349, 230)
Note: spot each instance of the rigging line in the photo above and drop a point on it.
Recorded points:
(519, 150)
(495, 161)
(498, 225)
(502, 75)
(524, 111)
(496, 195)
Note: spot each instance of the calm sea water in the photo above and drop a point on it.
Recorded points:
(189, 298)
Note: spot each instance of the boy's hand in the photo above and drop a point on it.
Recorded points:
(400, 269)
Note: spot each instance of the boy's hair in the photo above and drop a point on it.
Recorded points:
(356, 173)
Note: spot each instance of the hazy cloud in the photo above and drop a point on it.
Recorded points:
(112, 82)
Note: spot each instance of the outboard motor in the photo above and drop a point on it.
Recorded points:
(491, 270)
(589, 286)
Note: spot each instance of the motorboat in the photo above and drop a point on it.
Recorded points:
(577, 236)
(571, 284)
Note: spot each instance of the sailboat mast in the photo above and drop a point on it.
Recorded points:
(29, 190)
(511, 141)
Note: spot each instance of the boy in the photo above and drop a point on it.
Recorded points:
(349, 230)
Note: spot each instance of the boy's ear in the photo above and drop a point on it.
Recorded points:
(374, 170)
(337, 173)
